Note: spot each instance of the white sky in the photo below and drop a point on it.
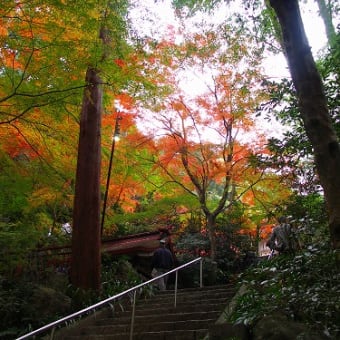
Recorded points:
(155, 19)
(315, 31)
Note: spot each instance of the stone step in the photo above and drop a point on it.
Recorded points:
(163, 309)
(174, 316)
(206, 289)
(148, 327)
(188, 296)
(183, 305)
(157, 318)
(199, 295)
(197, 334)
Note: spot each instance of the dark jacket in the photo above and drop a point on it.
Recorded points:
(162, 258)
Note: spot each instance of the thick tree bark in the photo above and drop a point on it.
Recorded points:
(313, 108)
(86, 238)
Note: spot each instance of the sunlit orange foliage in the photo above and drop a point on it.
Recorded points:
(15, 144)
(266, 230)
(248, 198)
(10, 59)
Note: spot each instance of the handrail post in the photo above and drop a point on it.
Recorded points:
(201, 273)
(176, 280)
(133, 314)
(52, 333)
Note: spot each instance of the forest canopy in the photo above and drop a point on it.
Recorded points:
(190, 106)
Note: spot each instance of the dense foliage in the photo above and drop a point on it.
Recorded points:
(23, 305)
(304, 288)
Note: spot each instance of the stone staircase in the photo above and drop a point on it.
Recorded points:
(156, 317)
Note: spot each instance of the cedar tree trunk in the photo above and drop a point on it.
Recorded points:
(86, 239)
(313, 108)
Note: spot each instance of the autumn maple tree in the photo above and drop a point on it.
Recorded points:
(206, 140)
(46, 48)
(287, 27)
(40, 88)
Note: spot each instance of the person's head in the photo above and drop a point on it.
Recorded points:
(282, 219)
(162, 243)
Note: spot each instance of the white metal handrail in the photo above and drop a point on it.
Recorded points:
(56, 323)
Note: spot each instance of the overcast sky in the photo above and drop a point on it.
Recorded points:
(155, 18)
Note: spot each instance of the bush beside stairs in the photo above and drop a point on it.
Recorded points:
(156, 317)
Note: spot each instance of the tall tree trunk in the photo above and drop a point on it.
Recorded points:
(313, 108)
(86, 238)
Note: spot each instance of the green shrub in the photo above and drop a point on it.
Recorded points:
(305, 287)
